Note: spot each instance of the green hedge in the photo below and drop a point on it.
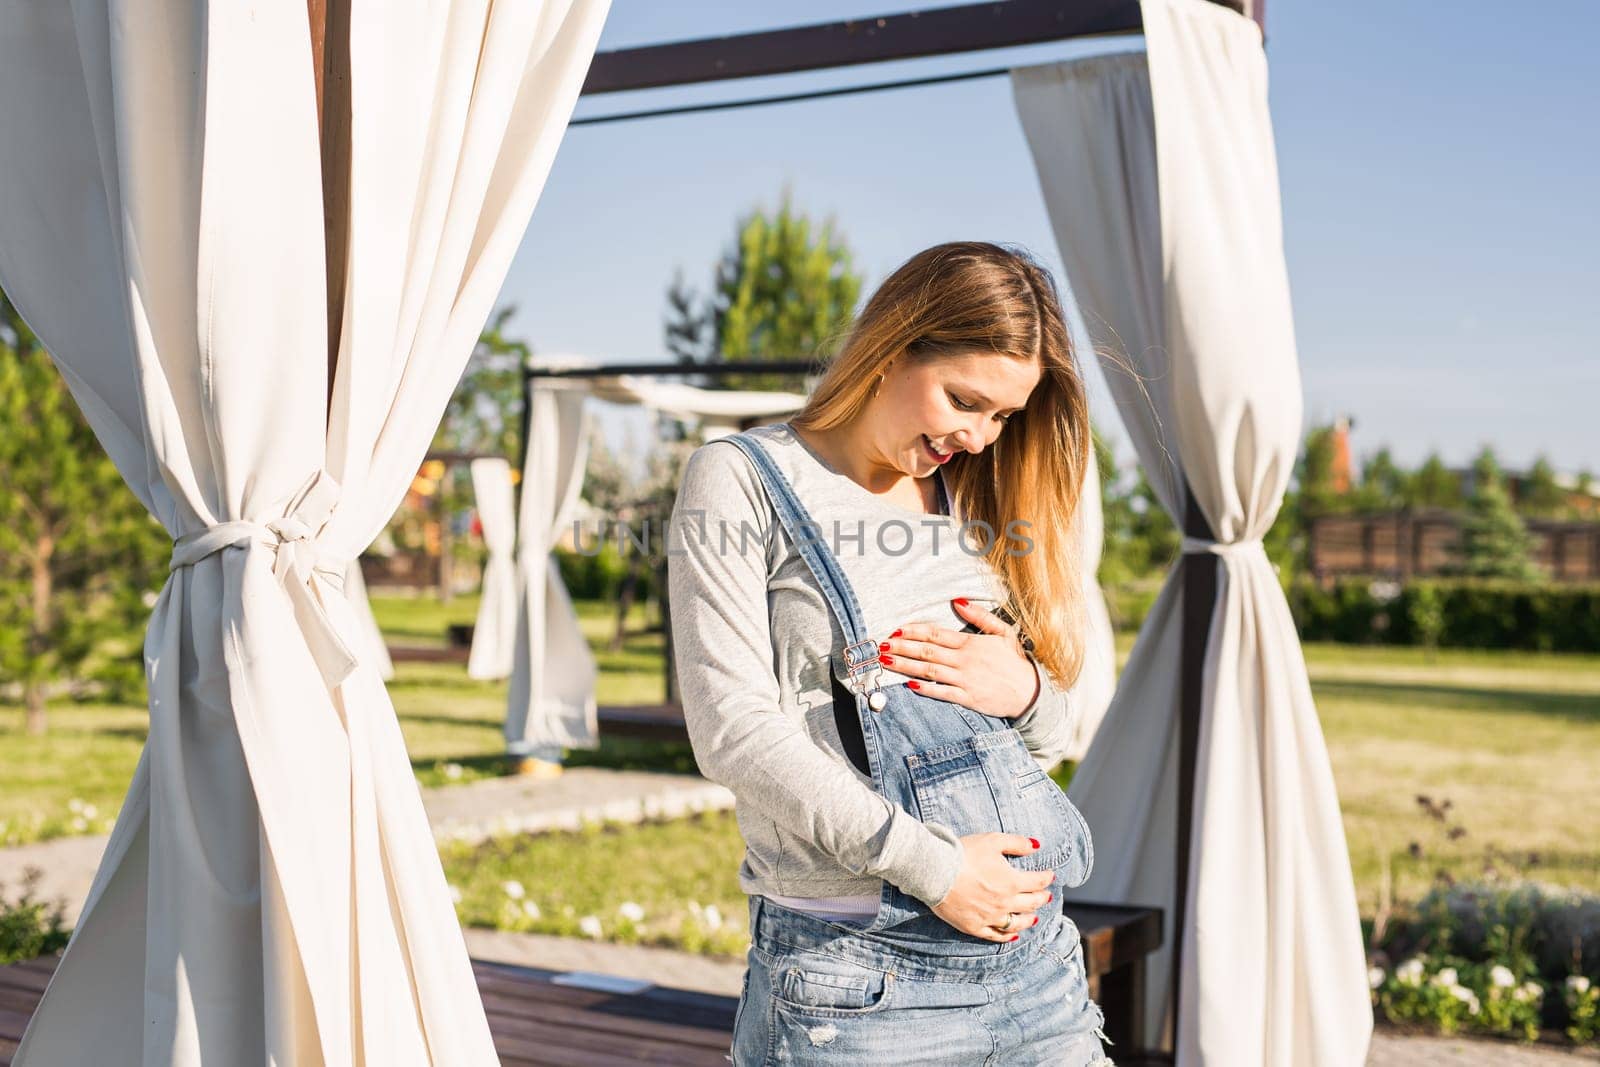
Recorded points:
(1450, 614)
(599, 576)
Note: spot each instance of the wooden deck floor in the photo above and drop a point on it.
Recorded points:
(537, 1017)
(588, 1020)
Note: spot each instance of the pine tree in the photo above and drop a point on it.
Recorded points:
(80, 558)
(1494, 542)
(1433, 486)
(1382, 482)
(1541, 494)
(785, 290)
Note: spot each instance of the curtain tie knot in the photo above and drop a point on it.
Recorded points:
(298, 561)
(1193, 546)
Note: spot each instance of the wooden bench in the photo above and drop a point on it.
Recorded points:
(429, 654)
(547, 1017)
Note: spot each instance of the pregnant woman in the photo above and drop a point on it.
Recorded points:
(875, 617)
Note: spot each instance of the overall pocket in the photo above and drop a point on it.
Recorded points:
(816, 984)
(988, 783)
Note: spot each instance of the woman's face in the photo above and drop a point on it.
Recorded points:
(926, 410)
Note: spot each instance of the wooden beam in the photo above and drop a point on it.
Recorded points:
(330, 62)
(913, 35)
(682, 370)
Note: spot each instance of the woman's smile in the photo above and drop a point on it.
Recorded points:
(933, 453)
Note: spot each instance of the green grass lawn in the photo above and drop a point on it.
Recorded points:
(1511, 740)
(72, 780)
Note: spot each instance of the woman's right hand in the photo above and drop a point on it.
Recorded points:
(988, 888)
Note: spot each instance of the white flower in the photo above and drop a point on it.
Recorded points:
(89, 811)
(1375, 977)
(452, 771)
(1502, 977)
(1577, 983)
(1528, 991)
(590, 925)
(75, 806)
(514, 890)
(149, 598)
(1409, 972)
(455, 893)
(1462, 993)
(631, 911)
(530, 909)
(1446, 977)
(713, 917)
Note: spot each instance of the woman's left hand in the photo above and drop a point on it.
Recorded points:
(988, 672)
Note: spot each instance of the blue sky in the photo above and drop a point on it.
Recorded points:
(1438, 164)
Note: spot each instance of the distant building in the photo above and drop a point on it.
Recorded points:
(1427, 542)
(1343, 473)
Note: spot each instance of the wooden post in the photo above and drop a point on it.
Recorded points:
(330, 63)
(1199, 598)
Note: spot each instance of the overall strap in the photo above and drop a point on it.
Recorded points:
(860, 652)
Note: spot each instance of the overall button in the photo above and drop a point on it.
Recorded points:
(877, 700)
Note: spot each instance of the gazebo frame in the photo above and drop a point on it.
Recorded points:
(913, 35)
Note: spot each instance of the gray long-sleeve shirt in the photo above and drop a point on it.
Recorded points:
(752, 637)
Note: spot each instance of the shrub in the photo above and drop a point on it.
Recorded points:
(29, 927)
(1455, 613)
(1486, 957)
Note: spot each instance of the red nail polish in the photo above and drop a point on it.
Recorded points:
(913, 685)
(1049, 898)
(883, 646)
(1035, 921)
(897, 633)
(1015, 936)
(886, 659)
(1034, 841)
(961, 600)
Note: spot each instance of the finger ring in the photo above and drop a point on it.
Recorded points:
(1006, 926)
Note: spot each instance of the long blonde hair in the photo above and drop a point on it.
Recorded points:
(971, 297)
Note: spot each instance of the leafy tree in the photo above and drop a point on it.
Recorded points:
(1584, 505)
(485, 412)
(1433, 486)
(482, 418)
(79, 555)
(1541, 494)
(1494, 542)
(1317, 491)
(785, 289)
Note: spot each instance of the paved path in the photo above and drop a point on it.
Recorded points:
(468, 812)
(529, 805)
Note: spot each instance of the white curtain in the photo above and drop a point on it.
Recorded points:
(271, 891)
(551, 702)
(1181, 268)
(1091, 693)
(368, 639)
(494, 635)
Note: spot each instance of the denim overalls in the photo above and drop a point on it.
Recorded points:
(821, 992)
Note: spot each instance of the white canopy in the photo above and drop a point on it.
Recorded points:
(1097, 681)
(1181, 266)
(551, 703)
(271, 891)
(494, 635)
